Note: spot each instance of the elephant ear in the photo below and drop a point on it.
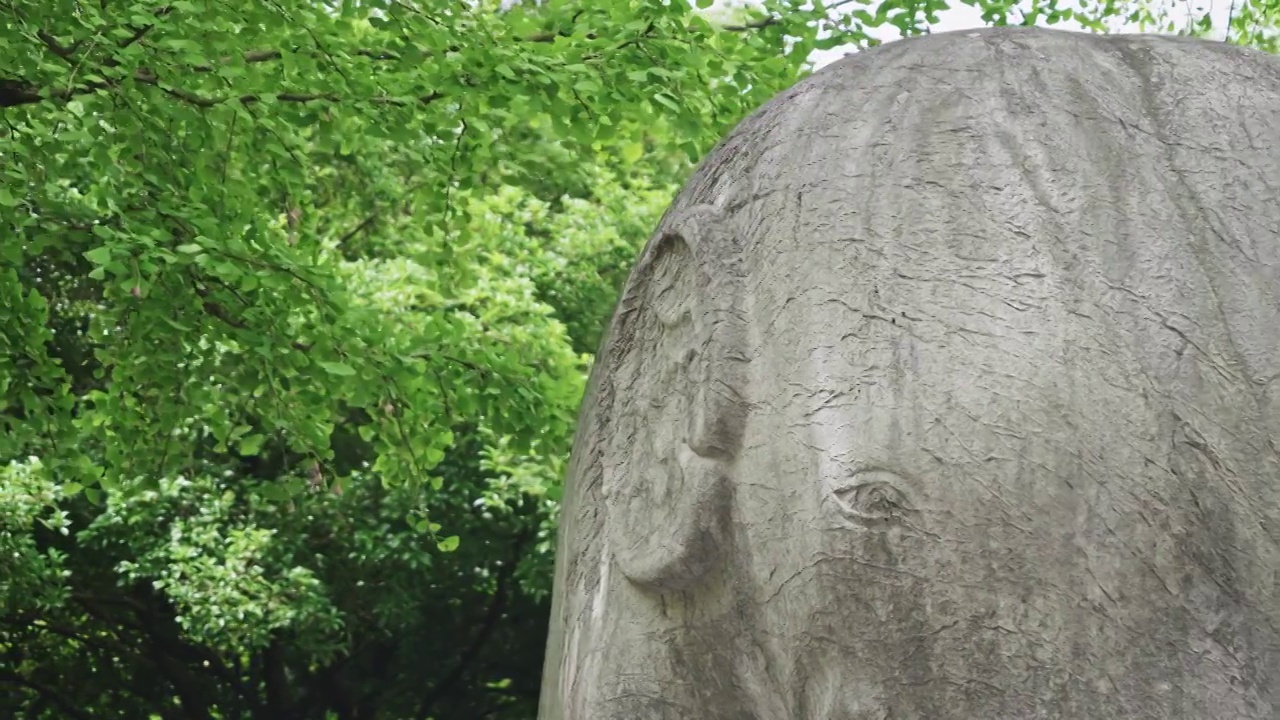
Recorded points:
(677, 375)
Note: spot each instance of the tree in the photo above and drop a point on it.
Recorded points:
(244, 602)
(292, 291)
(295, 310)
(1250, 23)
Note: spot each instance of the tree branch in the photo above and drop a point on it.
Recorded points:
(487, 624)
(276, 680)
(48, 694)
(140, 32)
(54, 47)
(112, 646)
(14, 92)
(772, 20)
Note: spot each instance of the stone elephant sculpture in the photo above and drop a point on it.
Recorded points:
(949, 387)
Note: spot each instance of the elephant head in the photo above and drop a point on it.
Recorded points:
(948, 388)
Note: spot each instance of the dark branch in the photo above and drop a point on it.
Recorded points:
(140, 32)
(54, 47)
(487, 625)
(16, 92)
(50, 695)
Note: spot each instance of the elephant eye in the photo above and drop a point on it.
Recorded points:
(872, 496)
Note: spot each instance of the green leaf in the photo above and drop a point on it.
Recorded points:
(337, 368)
(664, 99)
(251, 444)
(190, 248)
(449, 544)
(275, 492)
(99, 256)
(632, 152)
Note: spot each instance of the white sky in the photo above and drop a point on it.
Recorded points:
(965, 17)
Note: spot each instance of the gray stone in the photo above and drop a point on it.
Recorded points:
(949, 387)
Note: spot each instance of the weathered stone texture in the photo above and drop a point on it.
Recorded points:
(948, 388)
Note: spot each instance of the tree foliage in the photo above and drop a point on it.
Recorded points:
(296, 305)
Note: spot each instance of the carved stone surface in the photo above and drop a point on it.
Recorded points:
(948, 388)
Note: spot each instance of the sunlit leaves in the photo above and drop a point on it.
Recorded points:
(224, 182)
(297, 299)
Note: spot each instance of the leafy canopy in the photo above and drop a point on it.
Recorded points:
(296, 302)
